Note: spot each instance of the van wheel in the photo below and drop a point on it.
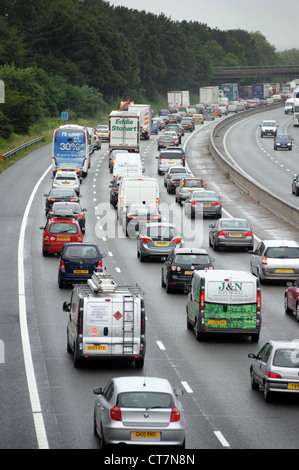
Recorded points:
(198, 334)
(77, 360)
(255, 337)
(139, 363)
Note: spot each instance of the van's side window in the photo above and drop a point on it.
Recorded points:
(198, 289)
(74, 308)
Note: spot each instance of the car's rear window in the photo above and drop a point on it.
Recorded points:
(193, 184)
(63, 227)
(165, 233)
(171, 156)
(190, 259)
(81, 252)
(286, 358)
(282, 252)
(145, 400)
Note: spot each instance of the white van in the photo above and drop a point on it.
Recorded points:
(127, 164)
(289, 106)
(224, 301)
(143, 190)
(106, 321)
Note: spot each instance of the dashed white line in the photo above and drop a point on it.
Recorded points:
(221, 438)
(161, 345)
(187, 387)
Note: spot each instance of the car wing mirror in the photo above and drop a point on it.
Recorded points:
(252, 356)
(178, 392)
(98, 391)
(66, 306)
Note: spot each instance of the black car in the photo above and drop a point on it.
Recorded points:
(72, 209)
(174, 181)
(60, 195)
(178, 268)
(140, 213)
(114, 188)
(187, 124)
(78, 261)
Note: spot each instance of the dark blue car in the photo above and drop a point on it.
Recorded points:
(283, 141)
(78, 261)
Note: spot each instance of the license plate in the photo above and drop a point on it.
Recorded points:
(216, 322)
(161, 243)
(283, 270)
(206, 204)
(293, 386)
(80, 271)
(170, 163)
(145, 434)
(65, 182)
(93, 347)
(63, 239)
(188, 272)
(234, 234)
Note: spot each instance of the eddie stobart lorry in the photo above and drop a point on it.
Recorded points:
(124, 131)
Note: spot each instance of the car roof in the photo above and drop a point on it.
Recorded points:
(142, 383)
(280, 243)
(201, 251)
(221, 274)
(285, 343)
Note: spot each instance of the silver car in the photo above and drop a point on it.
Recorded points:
(66, 179)
(173, 170)
(276, 368)
(139, 411)
(157, 240)
(275, 260)
(230, 232)
(203, 203)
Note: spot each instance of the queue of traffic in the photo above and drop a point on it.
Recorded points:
(106, 319)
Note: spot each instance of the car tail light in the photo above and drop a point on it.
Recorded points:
(74, 199)
(202, 299)
(248, 234)
(80, 216)
(175, 415)
(258, 301)
(176, 240)
(51, 199)
(146, 240)
(194, 203)
(115, 414)
(62, 266)
(274, 375)
(264, 260)
(216, 203)
(99, 266)
(222, 233)
(132, 216)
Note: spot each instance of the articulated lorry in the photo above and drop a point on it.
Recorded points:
(260, 91)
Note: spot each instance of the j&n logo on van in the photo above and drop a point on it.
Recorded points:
(230, 286)
(117, 315)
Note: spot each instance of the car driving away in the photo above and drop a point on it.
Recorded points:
(72, 209)
(186, 187)
(59, 195)
(78, 261)
(275, 369)
(156, 240)
(139, 411)
(137, 214)
(276, 260)
(57, 232)
(203, 203)
(67, 179)
(291, 299)
(231, 233)
(177, 270)
(165, 140)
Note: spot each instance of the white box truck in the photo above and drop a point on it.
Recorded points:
(296, 112)
(209, 94)
(145, 118)
(124, 131)
(106, 321)
(178, 99)
(144, 190)
(224, 301)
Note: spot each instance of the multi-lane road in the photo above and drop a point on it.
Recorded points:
(51, 405)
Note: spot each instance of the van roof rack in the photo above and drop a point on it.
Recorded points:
(104, 283)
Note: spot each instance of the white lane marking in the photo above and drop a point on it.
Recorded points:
(118, 270)
(161, 345)
(109, 253)
(221, 438)
(186, 386)
(40, 430)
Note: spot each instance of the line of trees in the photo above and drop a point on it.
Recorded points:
(79, 55)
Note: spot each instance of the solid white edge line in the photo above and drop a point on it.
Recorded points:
(40, 430)
(221, 438)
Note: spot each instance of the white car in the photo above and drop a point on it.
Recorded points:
(68, 180)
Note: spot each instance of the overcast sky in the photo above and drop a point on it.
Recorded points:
(276, 20)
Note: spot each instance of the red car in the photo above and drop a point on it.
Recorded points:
(291, 299)
(59, 231)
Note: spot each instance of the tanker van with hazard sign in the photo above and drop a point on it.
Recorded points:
(106, 321)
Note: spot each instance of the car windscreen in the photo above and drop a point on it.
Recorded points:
(145, 400)
(282, 252)
(63, 227)
(286, 358)
(191, 259)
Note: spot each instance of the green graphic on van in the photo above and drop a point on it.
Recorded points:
(230, 316)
